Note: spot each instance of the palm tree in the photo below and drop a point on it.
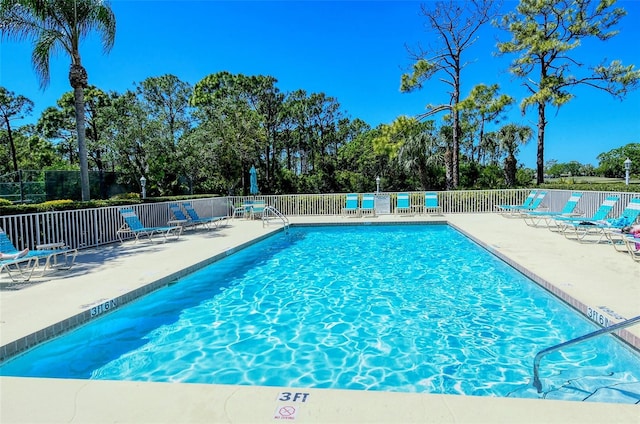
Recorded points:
(419, 153)
(55, 25)
(511, 137)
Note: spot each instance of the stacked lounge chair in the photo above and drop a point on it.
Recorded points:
(532, 203)
(133, 226)
(207, 222)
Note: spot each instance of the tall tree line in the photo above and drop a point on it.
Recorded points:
(206, 137)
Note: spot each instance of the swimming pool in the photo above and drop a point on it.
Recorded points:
(407, 308)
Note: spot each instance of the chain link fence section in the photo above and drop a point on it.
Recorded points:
(39, 186)
(23, 187)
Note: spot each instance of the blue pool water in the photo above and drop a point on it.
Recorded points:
(395, 308)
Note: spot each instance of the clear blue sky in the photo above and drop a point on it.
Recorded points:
(353, 51)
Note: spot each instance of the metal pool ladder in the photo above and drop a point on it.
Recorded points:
(536, 362)
(270, 213)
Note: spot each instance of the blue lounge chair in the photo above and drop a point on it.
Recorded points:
(546, 218)
(594, 230)
(520, 211)
(431, 202)
(599, 215)
(180, 217)
(133, 226)
(403, 203)
(368, 204)
(55, 256)
(526, 204)
(207, 222)
(351, 205)
(600, 229)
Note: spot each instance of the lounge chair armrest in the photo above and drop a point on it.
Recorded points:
(51, 246)
(124, 228)
(177, 222)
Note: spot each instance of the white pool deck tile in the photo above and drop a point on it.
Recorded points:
(595, 277)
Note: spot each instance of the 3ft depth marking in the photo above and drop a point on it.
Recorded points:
(292, 397)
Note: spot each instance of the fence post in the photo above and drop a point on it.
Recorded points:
(21, 186)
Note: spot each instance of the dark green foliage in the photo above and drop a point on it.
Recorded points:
(607, 187)
(8, 208)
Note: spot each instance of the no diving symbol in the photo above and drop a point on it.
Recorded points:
(286, 413)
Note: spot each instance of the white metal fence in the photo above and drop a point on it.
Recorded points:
(95, 227)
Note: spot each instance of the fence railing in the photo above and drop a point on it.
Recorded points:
(98, 226)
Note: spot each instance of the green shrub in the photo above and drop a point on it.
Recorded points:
(8, 208)
(126, 196)
(54, 205)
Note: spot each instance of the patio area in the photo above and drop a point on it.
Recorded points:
(594, 279)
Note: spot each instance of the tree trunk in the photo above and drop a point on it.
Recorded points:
(455, 160)
(448, 169)
(12, 146)
(510, 166)
(540, 157)
(455, 154)
(78, 79)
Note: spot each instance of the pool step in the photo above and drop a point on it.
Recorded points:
(598, 389)
(604, 388)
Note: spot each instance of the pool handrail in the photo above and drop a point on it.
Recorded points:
(270, 213)
(536, 361)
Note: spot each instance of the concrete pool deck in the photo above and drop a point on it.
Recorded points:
(587, 275)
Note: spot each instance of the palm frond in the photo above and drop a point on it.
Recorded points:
(56, 25)
(44, 46)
